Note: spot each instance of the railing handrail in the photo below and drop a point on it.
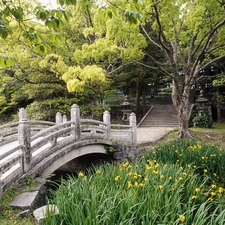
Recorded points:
(41, 122)
(50, 129)
(12, 124)
(92, 121)
(11, 151)
(146, 114)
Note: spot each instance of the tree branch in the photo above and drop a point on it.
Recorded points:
(162, 37)
(212, 61)
(123, 65)
(150, 39)
(210, 38)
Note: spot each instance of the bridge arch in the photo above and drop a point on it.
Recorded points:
(65, 155)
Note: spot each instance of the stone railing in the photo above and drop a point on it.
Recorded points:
(28, 150)
(9, 132)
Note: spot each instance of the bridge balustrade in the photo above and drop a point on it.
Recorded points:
(37, 140)
(9, 132)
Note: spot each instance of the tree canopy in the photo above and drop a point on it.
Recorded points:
(102, 40)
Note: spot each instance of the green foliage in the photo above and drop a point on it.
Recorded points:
(205, 157)
(110, 149)
(157, 189)
(5, 61)
(9, 215)
(95, 111)
(53, 18)
(202, 121)
(89, 81)
(93, 39)
(113, 39)
(77, 77)
(67, 2)
(15, 20)
(54, 63)
(47, 109)
(219, 81)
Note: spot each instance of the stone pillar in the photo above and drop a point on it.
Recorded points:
(126, 110)
(24, 139)
(58, 118)
(75, 117)
(203, 105)
(133, 127)
(106, 119)
(64, 119)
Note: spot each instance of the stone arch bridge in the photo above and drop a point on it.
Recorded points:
(38, 148)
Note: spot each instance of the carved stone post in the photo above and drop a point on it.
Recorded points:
(106, 119)
(133, 127)
(24, 139)
(75, 117)
(64, 119)
(58, 118)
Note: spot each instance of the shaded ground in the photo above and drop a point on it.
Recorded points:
(216, 134)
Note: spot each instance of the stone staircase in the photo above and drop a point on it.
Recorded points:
(163, 115)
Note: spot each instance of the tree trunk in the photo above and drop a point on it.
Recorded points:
(183, 118)
(143, 101)
(181, 103)
(137, 100)
(218, 105)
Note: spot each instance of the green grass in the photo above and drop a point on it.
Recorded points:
(9, 215)
(181, 182)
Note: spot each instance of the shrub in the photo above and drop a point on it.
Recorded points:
(202, 121)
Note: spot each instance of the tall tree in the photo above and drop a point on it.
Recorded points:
(190, 36)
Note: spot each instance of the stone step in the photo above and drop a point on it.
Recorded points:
(161, 116)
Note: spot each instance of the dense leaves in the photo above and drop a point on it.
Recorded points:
(121, 43)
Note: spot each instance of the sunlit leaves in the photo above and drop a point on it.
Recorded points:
(133, 17)
(4, 31)
(77, 77)
(53, 18)
(219, 81)
(7, 13)
(5, 61)
(54, 63)
(31, 36)
(54, 39)
(112, 39)
(17, 12)
(40, 48)
(13, 10)
(67, 2)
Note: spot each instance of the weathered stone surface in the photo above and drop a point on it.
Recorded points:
(125, 152)
(40, 213)
(32, 199)
(25, 213)
(24, 200)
